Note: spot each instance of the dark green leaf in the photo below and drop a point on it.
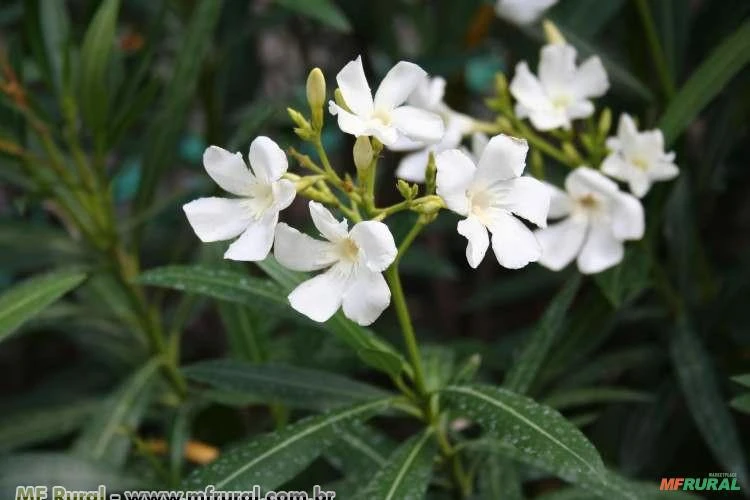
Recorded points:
(741, 403)
(696, 376)
(325, 11)
(707, 82)
(273, 459)
(529, 432)
(406, 473)
(30, 297)
(385, 361)
(498, 478)
(359, 450)
(296, 387)
(108, 436)
(594, 395)
(743, 379)
(247, 339)
(628, 279)
(524, 369)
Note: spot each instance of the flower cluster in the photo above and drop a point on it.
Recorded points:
(487, 186)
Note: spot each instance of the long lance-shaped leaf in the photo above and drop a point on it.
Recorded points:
(25, 300)
(528, 432)
(275, 458)
(359, 450)
(525, 368)
(406, 473)
(107, 437)
(697, 379)
(707, 82)
(296, 387)
(165, 129)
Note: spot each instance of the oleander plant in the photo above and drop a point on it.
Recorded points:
(245, 248)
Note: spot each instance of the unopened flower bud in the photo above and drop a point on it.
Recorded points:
(430, 174)
(552, 34)
(298, 119)
(429, 205)
(501, 84)
(571, 153)
(316, 96)
(339, 98)
(362, 153)
(537, 164)
(408, 191)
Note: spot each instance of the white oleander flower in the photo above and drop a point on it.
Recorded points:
(522, 11)
(490, 195)
(261, 195)
(355, 260)
(638, 158)
(384, 117)
(598, 219)
(429, 96)
(562, 92)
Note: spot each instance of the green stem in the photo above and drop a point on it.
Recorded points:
(657, 53)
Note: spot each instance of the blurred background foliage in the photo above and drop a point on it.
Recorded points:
(641, 359)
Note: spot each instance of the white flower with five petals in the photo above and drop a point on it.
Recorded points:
(598, 219)
(490, 195)
(562, 92)
(638, 158)
(522, 11)
(384, 117)
(355, 260)
(261, 195)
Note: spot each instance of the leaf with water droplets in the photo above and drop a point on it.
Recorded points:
(522, 429)
(273, 459)
(407, 472)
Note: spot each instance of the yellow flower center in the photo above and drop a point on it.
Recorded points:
(348, 250)
(382, 116)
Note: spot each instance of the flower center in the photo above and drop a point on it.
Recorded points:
(479, 204)
(639, 163)
(561, 101)
(382, 116)
(261, 199)
(348, 250)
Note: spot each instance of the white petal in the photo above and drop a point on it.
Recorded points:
(349, 123)
(616, 167)
(217, 219)
(418, 124)
(326, 223)
(548, 118)
(386, 134)
(530, 199)
(522, 11)
(503, 158)
(638, 182)
(267, 160)
(527, 89)
(300, 252)
(579, 109)
(627, 131)
(601, 250)
(561, 242)
(403, 143)
(557, 67)
(628, 220)
(584, 180)
(664, 170)
(560, 203)
(513, 243)
(590, 79)
(479, 142)
(412, 167)
(284, 192)
(428, 94)
(478, 237)
(651, 143)
(366, 298)
(397, 84)
(455, 172)
(228, 170)
(375, 241)
(355, 89)
(320, 297)
(255, 243)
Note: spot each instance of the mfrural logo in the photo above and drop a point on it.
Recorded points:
(717, 481)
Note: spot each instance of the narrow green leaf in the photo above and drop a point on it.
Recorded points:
(98, 44)
(565, 399)
(707, 82)
(37, 425)
(741, 403)
(30, 297)
(585, 17)
(246, 339)
(325, 11)
(359, 450)
(385, 361)
(743, 379)
(108, 436)
(274, 458)
(697, 378)
(406, 473)
(524, 370)
(499, 478)
(164, 132)
(59, 469)
(610, 366)
(529, 432)
(296, 387)
(628, 279)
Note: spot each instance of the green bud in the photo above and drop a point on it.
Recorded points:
(408, 191)
(501, 84)
(572, 153)
(306, 134)
(316, 96)
(430, 174)
(339, 98)
(605, 122)
(306, 182)
(362, 153)
(298, 119)
(429, 205)
(551, 33)
(537, 164)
